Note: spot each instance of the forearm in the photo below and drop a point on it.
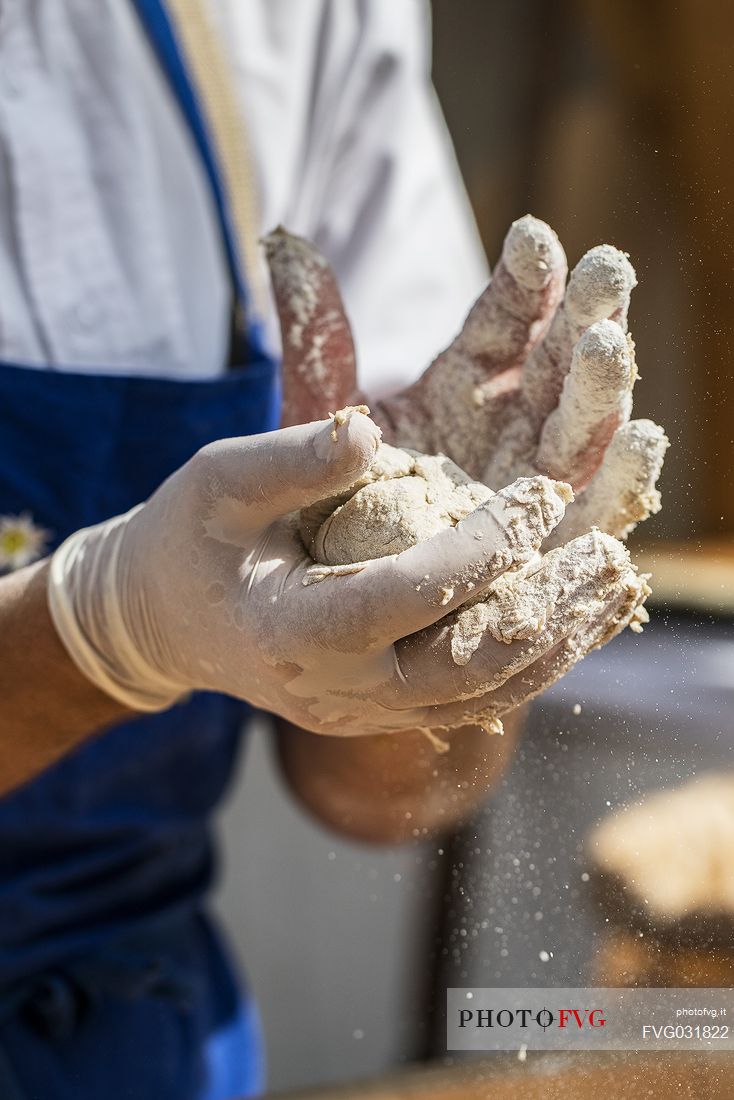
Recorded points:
(391, 788)
(48, 706)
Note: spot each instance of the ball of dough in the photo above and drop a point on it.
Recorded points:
(403, 499)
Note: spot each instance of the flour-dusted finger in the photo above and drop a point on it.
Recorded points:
(595, 400)
(374, 603)
(599, 288)
(523, 618)
(456, 406)
(623, 491)
(622, 609)
(319, 368)
(253, 480)
(518, 304)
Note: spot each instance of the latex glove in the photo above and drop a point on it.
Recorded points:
(538, 381)
(207, 586)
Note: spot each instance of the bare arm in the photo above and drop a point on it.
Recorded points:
(48, 706)
(391, 788)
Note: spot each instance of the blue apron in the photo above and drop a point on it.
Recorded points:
(113, 981)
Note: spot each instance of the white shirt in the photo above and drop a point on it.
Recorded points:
(110, 252)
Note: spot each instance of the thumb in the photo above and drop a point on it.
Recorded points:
(319, 369)
(279, 472)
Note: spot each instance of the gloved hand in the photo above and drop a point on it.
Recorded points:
(538, 381)
(207, 585)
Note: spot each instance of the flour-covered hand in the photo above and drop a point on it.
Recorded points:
(539, 381)
(209, 585)
(538, 384)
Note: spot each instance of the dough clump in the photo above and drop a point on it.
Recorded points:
(404, 498)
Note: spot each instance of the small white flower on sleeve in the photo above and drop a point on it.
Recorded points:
(21, 541)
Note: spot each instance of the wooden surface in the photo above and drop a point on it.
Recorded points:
(695, 576)
(557, 1077)
(672, 67)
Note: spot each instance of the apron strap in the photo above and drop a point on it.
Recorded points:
(193, 60)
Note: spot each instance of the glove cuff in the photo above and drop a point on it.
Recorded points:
(84, 599)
